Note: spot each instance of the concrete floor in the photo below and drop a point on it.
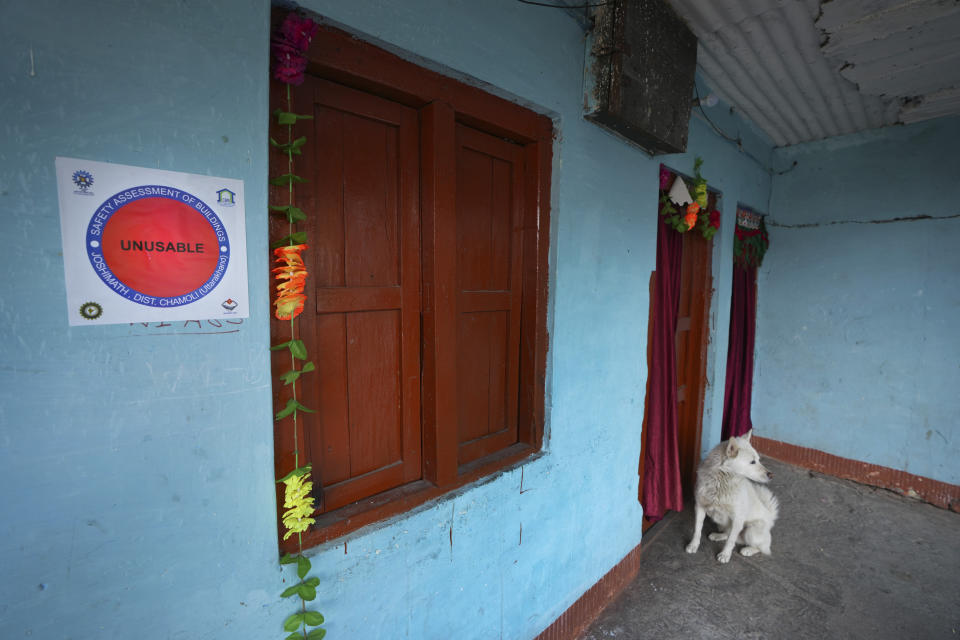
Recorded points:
(849, 561)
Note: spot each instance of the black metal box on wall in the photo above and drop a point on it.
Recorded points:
(641, 63)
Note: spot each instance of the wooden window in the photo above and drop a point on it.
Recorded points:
(487, 284)
(428, 203)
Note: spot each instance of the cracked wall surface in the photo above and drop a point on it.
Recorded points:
(858, 353)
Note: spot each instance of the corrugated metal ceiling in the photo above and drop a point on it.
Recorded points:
(804, 70)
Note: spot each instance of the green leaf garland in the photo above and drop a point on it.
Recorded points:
(285, 117)
(289, 63)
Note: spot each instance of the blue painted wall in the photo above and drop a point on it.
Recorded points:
(858, 351)
(137, 461)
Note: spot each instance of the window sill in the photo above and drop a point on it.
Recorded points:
(335, 524)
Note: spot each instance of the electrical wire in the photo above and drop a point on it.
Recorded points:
(719, 131)
(738, 140)
(567, 6)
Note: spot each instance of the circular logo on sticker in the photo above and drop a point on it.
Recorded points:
(91, 310)
(158, 246)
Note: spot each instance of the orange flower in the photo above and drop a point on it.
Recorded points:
(293, 277)
(691, 218)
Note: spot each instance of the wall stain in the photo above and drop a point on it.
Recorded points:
(522, 490)
(96, 525)
(452, 513)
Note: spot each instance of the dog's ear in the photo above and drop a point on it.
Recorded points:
(732, 448)
(747, 435)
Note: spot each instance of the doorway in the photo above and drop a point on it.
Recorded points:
(691, 338)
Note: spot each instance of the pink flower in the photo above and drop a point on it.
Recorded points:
(288, 47)
(289, 64)
(298, 31)
(288, 75)
(665, 178)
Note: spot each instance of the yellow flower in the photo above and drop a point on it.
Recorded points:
(299, 504)
(701, 191)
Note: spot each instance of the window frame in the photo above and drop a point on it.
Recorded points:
(443, 103)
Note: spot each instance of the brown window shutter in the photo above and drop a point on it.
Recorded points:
(488, 280)
(364, 173)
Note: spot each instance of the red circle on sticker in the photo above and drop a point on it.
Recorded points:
(160, 247)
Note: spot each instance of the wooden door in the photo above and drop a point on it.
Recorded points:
(363, 163)
(692, 337)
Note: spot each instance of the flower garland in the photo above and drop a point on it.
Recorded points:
(750, 239)
(692, 213)
(288, 47)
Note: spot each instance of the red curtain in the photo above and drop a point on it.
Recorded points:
(739, 385)
(661, 471)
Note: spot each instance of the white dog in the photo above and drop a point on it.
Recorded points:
(728, 491)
